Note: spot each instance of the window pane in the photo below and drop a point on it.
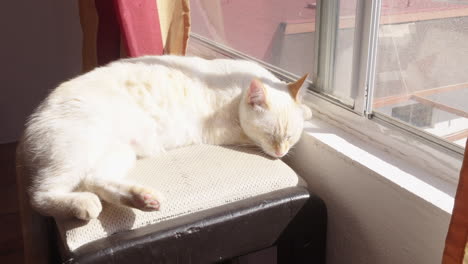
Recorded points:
(344, 52)
(422, 66)
(278, 32)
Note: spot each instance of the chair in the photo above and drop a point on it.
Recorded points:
(219, 203)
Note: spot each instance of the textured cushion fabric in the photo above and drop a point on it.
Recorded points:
(190, 179)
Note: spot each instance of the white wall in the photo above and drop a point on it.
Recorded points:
(40, 47)
(370, 219)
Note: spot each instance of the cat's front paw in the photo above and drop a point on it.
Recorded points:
(144, 199)
(87, 206)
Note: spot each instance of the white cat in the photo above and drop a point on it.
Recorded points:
(86, 135)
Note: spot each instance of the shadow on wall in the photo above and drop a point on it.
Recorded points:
(40, 48)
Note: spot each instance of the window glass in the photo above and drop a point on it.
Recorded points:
(422, 66)
(344, 50)
(281, 33)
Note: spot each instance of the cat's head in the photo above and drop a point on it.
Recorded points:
(272, 115)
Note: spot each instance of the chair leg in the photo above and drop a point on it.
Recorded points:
(304, 240)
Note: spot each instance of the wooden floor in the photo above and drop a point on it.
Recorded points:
(11, 247)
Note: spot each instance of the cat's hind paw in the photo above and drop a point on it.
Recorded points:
(144, 199)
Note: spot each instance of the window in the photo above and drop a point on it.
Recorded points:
(422, 70)
(277, 32)
(404, 62)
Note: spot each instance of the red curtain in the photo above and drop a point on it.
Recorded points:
(120, 28)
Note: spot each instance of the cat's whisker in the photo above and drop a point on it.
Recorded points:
(262, 151)
(290, 153)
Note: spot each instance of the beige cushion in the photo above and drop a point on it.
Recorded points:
(190, 179)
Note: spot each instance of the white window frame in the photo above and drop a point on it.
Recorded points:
(426, 151)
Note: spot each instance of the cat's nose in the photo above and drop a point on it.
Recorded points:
(279, 154)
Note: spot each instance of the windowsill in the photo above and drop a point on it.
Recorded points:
(401, 175)
(420, 152)
(419, 172)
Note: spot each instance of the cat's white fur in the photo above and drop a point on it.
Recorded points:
(88, 132)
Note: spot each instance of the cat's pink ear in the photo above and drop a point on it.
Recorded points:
(295, 88)
(256, 95)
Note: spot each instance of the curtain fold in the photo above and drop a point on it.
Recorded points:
(175, 25)
(456, 247)
(89, 26)
(142, 27)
